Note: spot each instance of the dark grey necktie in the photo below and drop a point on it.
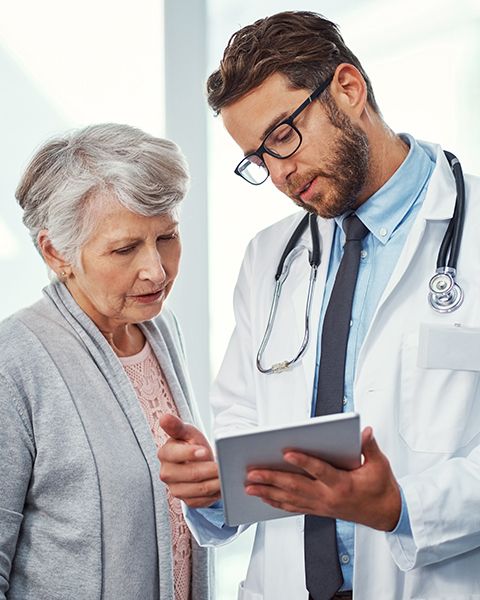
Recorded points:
(322, 568)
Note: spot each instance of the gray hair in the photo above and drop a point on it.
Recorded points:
(71, 173)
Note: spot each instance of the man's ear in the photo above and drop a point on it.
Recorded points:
(349, 90)
(61, 267)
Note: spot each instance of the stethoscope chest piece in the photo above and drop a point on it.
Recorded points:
(445, 295)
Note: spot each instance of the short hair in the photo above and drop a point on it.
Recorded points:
(302, 45)
(69, 173)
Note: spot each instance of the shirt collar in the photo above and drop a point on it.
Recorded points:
(383, 212)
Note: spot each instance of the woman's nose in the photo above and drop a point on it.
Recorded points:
(152, 267)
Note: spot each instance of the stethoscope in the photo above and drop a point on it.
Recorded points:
(444, 296)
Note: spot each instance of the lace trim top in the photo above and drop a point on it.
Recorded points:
(155, 399)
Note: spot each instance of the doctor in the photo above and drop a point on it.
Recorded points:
(406, 526)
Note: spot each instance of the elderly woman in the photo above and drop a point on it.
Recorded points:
(86, 373)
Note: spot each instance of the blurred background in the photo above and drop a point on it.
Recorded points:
(66, 64)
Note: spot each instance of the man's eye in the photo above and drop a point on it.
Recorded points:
(281, 135)
(256, 160)
(284, 137)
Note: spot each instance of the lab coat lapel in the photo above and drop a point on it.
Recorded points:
(438, 205)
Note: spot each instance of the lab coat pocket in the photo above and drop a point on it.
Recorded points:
(439, 388)
(244, 594)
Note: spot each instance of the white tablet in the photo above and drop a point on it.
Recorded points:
(333, 438)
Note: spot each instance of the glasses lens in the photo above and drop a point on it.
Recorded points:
(253, 169)
(282, 141)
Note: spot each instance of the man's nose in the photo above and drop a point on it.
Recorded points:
(280, 169)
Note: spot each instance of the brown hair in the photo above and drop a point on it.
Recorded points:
(301, 45)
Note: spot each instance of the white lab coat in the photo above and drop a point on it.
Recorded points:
(426, 419)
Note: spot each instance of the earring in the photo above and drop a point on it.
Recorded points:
(63, 274)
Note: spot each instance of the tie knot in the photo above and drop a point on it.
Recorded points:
(354, 229)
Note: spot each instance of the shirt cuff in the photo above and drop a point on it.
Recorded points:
(403, 525)
(401, 539)
(208, 525)
(214, 514)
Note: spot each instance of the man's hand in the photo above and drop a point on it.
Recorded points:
(369, 495)
(187, 465)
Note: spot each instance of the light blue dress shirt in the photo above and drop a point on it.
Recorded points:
(388, 214)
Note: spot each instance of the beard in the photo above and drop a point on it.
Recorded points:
(346, 171)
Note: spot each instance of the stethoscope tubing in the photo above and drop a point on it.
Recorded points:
(450, 247)
(309, 220)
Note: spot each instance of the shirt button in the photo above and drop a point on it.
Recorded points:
(345, 559)
(351, 323)
(383, 231)
(345, 401)
(363, 254)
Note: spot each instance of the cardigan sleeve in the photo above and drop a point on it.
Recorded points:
(17, 451)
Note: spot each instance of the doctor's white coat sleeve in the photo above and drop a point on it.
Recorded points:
(233, 402)
(208, 525)
(443, 505)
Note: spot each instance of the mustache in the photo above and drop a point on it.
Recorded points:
(298, 182)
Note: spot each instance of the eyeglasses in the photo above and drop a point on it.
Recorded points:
(282, 141)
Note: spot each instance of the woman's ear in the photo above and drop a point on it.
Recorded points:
(349, 90)
(59, 265)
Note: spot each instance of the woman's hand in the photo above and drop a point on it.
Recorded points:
(187, 464)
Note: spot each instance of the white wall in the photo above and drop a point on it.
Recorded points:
(186, 123)
(64, 65)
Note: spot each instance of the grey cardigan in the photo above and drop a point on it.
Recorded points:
(83, 513)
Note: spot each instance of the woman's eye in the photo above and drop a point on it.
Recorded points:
(126, 250)
(171, 236)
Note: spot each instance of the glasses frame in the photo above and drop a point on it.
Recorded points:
(262, 149)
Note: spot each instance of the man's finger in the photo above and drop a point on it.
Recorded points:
(201, 502)
(205, 489)
(291, 482)
(316, 468)
(270, 494)
(370, 449)
(188, 472)
(179, 430)
(179, 452)
(184, 432)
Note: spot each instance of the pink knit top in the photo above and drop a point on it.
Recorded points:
(155, 399)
